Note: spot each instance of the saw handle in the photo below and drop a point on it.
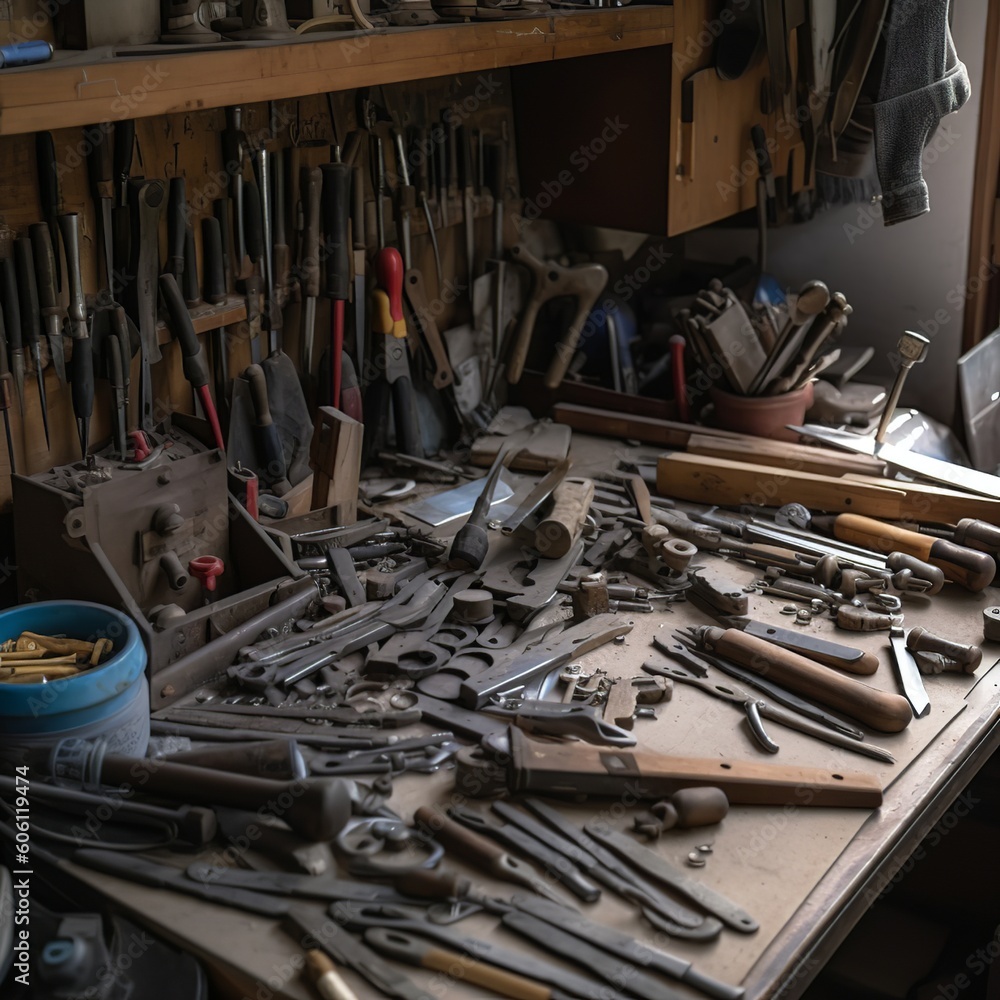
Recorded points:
(969, 568)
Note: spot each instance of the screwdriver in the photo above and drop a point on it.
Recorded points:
(31, 318)
(477, 849)
(82, 369)
(421, 145)
(118, 350)
(177, 210)
(215, 293)
(336, 209)
(194, 363)
(310, 185)
(45, 272)
(5, 392)
(12, 314)
(270, 451)
(48, 191)
(360, 263)
(102, 189)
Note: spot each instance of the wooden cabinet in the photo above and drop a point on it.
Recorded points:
(650, 139)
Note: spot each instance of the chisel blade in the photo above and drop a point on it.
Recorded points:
(909, 674)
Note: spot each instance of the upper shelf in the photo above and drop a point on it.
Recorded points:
(74, 92)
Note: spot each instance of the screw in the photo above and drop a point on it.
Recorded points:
(695, 860)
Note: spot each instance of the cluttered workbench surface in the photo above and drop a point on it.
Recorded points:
(762, 891)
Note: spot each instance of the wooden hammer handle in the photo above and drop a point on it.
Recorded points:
(889, 713)
(970, 568)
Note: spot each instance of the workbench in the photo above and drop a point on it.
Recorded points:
(807, 874)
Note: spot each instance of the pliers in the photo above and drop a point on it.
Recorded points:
(392, 361)
(757, 709)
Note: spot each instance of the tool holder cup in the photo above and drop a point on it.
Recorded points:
(764, 416)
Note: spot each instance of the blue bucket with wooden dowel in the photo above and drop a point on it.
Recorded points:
(109, 700)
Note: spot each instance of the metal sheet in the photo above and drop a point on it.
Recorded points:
(979, 386)
(447, 506)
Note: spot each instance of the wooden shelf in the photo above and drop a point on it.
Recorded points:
(69, 93)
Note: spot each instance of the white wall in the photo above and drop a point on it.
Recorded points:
(908, 276)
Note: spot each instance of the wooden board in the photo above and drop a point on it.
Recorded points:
(64, 94)
(722, 481)
(714, 441)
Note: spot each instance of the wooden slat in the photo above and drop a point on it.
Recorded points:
(60, 95)
(719, 481)
(714, 441)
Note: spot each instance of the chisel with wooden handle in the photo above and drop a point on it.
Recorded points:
(889, 713)
(970, 568)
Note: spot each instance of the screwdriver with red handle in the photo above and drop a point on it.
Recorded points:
(195, 370)
(337, 252)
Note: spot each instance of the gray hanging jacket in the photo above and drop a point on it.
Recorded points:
(922, 80)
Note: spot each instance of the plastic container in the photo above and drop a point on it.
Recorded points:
(765, 416)
(110, 700)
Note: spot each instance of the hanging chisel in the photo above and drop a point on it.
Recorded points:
(336, 211)
(421, 158)
(378, 182)
(310, 186)
(222, 212)
(121, 223)
(145, 207)
(31, 318)
(215, 293)
(81, 371)
(121, 167)
(406, 196)
(194, 362)
(272, 314)
(5, 393)
(466, 182)
(48, 191)
(12, 316)
(45, 273)
(118, 356)
(177, 211)
(189, 279)
(282, 253)
(360, 264)
(100, 172)
(233, 151)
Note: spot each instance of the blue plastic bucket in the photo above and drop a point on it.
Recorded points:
(109, 700)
